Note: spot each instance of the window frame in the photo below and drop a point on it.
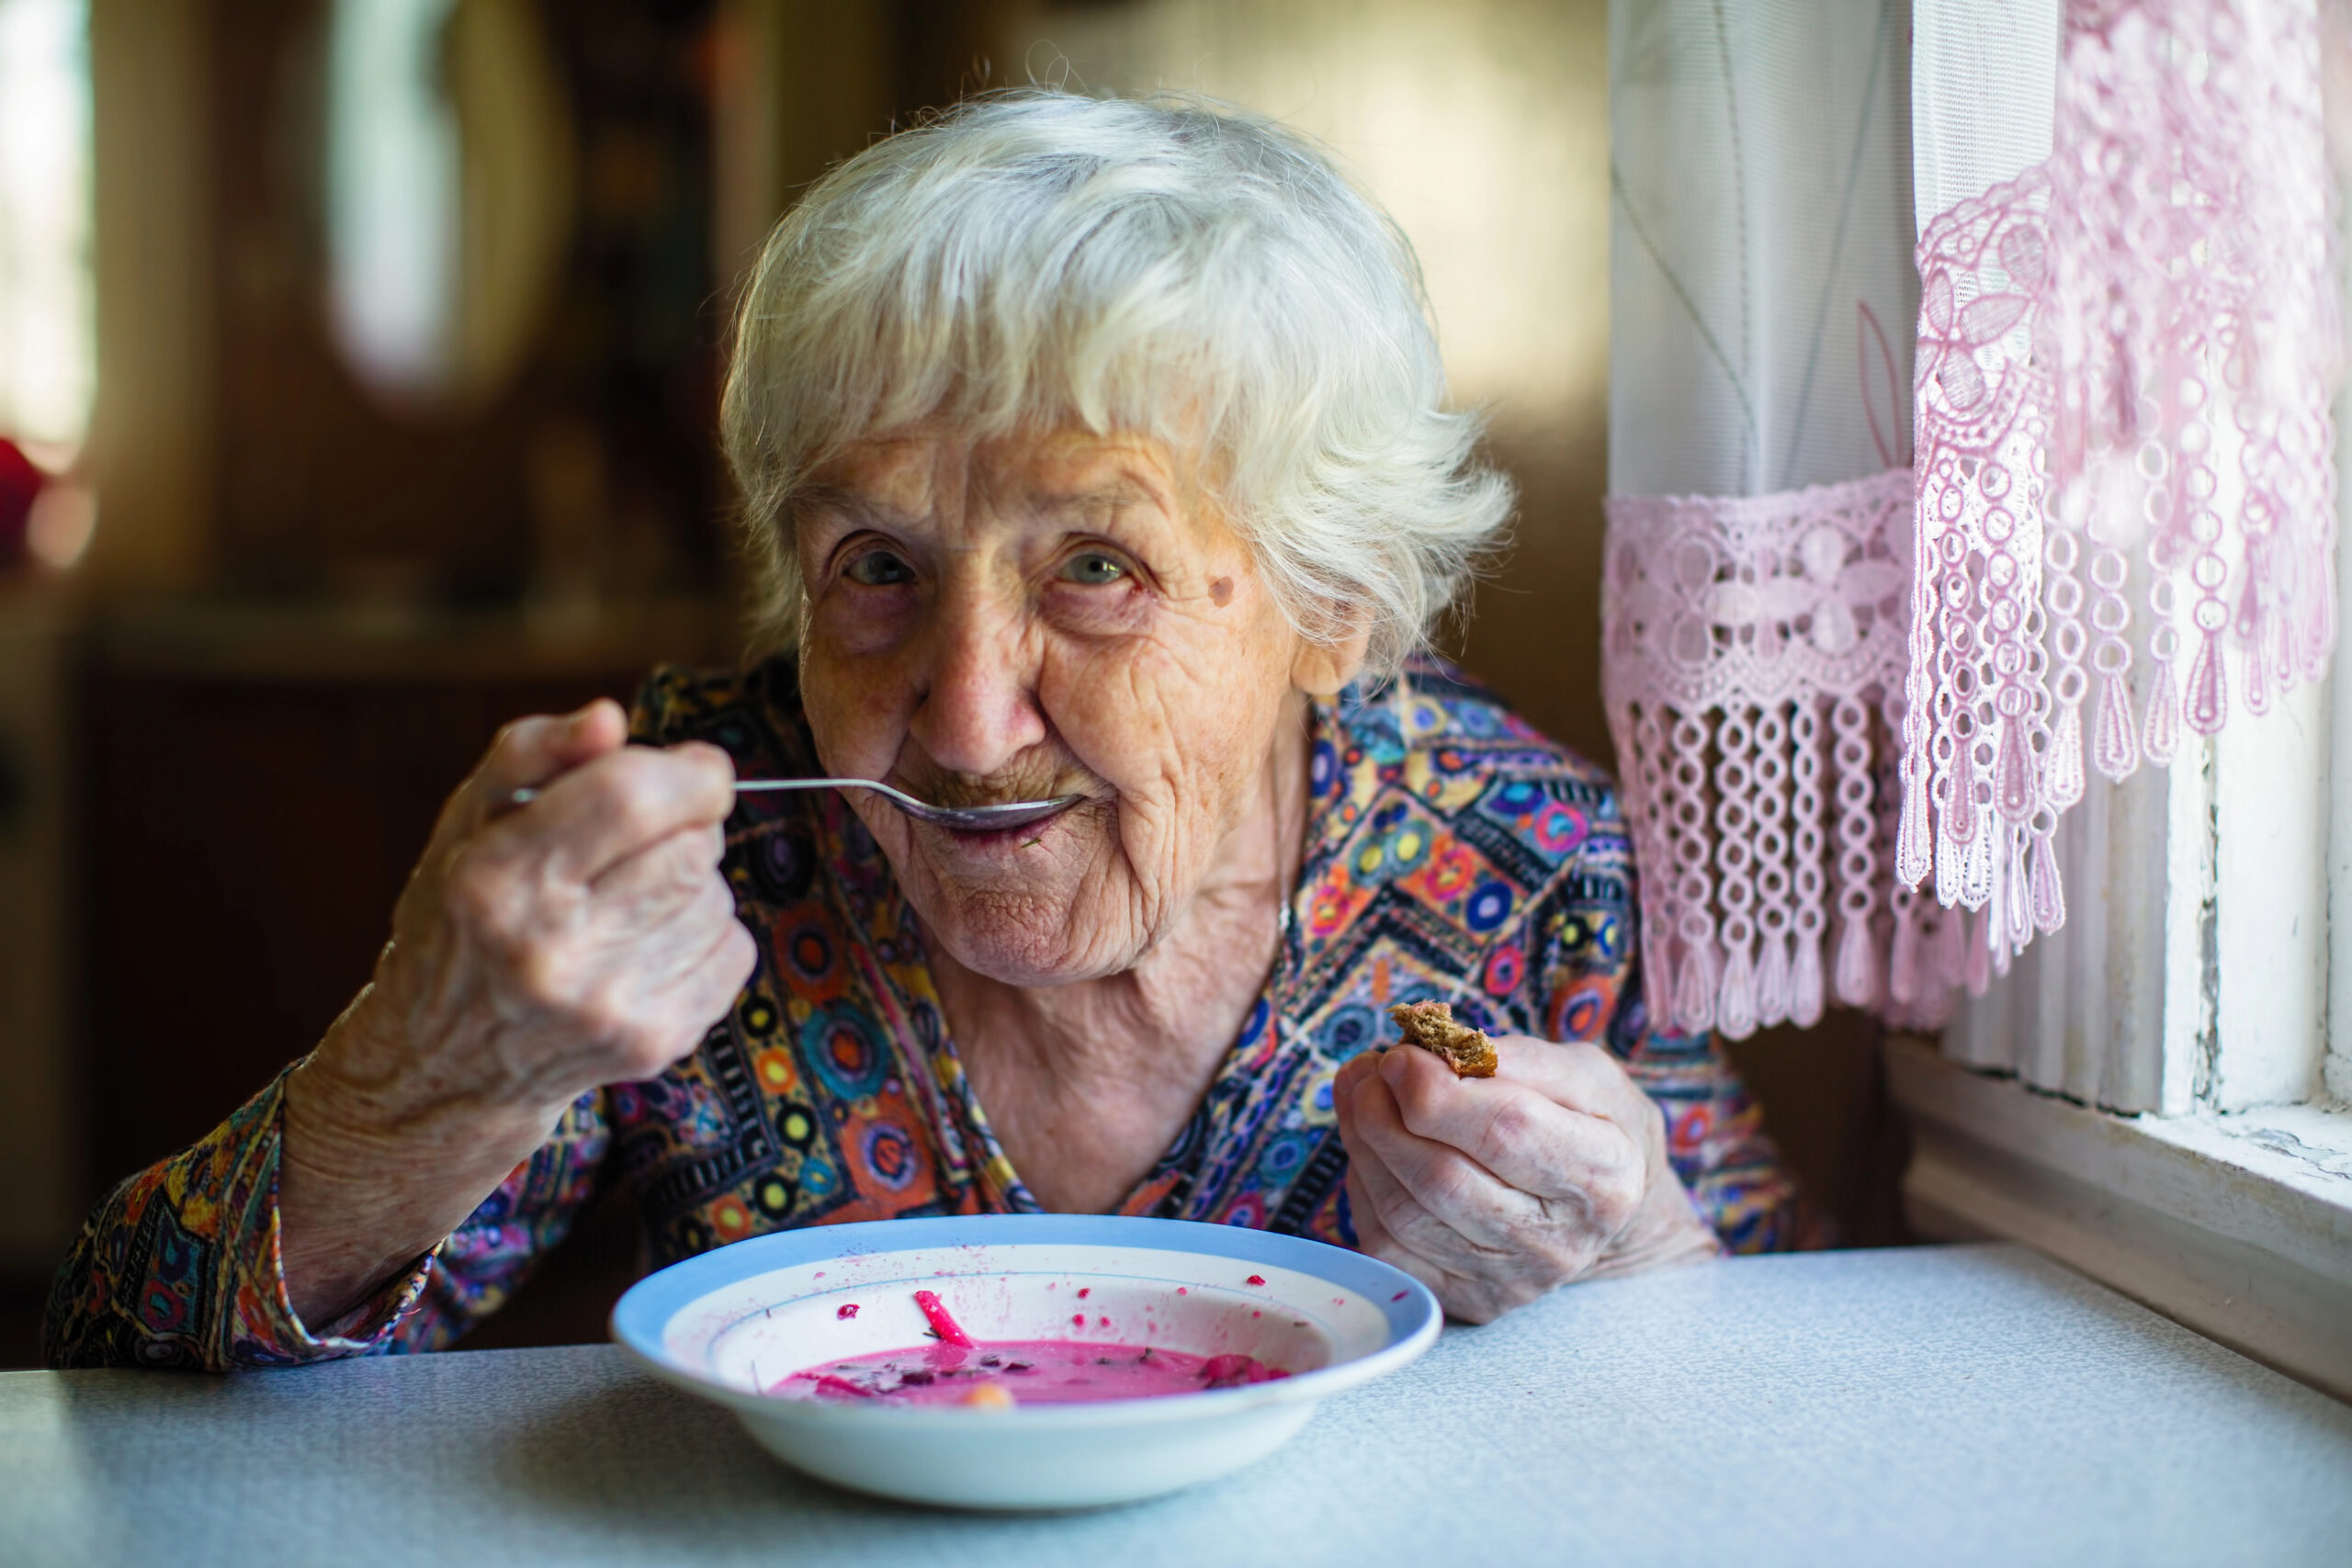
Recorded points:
(2187, 1141)
(2224, 1199)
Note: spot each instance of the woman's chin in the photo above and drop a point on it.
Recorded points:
(1041, 927)
(1050, 906)
(1018, 943)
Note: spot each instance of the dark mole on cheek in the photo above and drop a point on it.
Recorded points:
(1222, 591)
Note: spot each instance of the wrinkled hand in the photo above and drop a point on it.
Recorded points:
(1494, 1192)
(586, 939)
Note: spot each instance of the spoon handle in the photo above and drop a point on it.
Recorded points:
(524, 796)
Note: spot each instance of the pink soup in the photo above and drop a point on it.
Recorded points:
(1031, 1372)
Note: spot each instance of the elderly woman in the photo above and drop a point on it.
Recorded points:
(1092, 449)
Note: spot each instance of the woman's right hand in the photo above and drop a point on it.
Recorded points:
(537, 953)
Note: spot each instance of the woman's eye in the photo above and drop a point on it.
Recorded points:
(1093, 569)
(879, 568)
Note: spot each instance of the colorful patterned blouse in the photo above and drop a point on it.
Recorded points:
(1452, 853)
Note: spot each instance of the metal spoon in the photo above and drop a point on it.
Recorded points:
(963, 819)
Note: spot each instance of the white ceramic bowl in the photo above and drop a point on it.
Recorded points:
(733, 1321)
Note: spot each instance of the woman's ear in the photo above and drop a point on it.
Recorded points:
(1321, 669)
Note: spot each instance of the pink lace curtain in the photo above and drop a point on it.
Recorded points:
(1755, 656)
(2125, 477)
(1837, 673)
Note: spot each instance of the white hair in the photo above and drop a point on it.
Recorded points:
(1039, 259)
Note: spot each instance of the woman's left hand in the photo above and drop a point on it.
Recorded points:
(1494, 1192)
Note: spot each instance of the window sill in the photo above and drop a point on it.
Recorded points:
(2237, 1226)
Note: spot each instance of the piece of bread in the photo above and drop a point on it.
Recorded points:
(1431, 1026)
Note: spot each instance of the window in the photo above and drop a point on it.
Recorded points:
(448, 194)
(2157, 1097)
(2153, 1091)
(48, 355)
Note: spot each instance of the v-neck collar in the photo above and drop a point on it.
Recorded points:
(871, 904)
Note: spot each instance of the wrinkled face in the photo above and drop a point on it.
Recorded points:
(1048, 614)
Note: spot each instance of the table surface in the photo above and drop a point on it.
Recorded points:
(1948, 1404)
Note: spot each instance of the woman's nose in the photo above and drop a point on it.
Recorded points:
(977, 710)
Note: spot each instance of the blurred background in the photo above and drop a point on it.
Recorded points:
(358, 372)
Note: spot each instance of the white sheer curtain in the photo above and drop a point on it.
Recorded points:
(1761, 286)
(1762, 298)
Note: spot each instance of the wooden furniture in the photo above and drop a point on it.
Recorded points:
(257, 784)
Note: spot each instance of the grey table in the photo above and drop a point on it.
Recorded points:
(1967, 1405)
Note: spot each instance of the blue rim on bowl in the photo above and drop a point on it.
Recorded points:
(801, 1298)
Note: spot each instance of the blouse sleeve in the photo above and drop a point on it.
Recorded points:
(1588, 976)
(179, 1267)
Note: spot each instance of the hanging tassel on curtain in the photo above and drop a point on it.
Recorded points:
(1729, 626)
(1807, 868)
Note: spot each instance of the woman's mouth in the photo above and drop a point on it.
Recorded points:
(1029, 831)
(1029, 836)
